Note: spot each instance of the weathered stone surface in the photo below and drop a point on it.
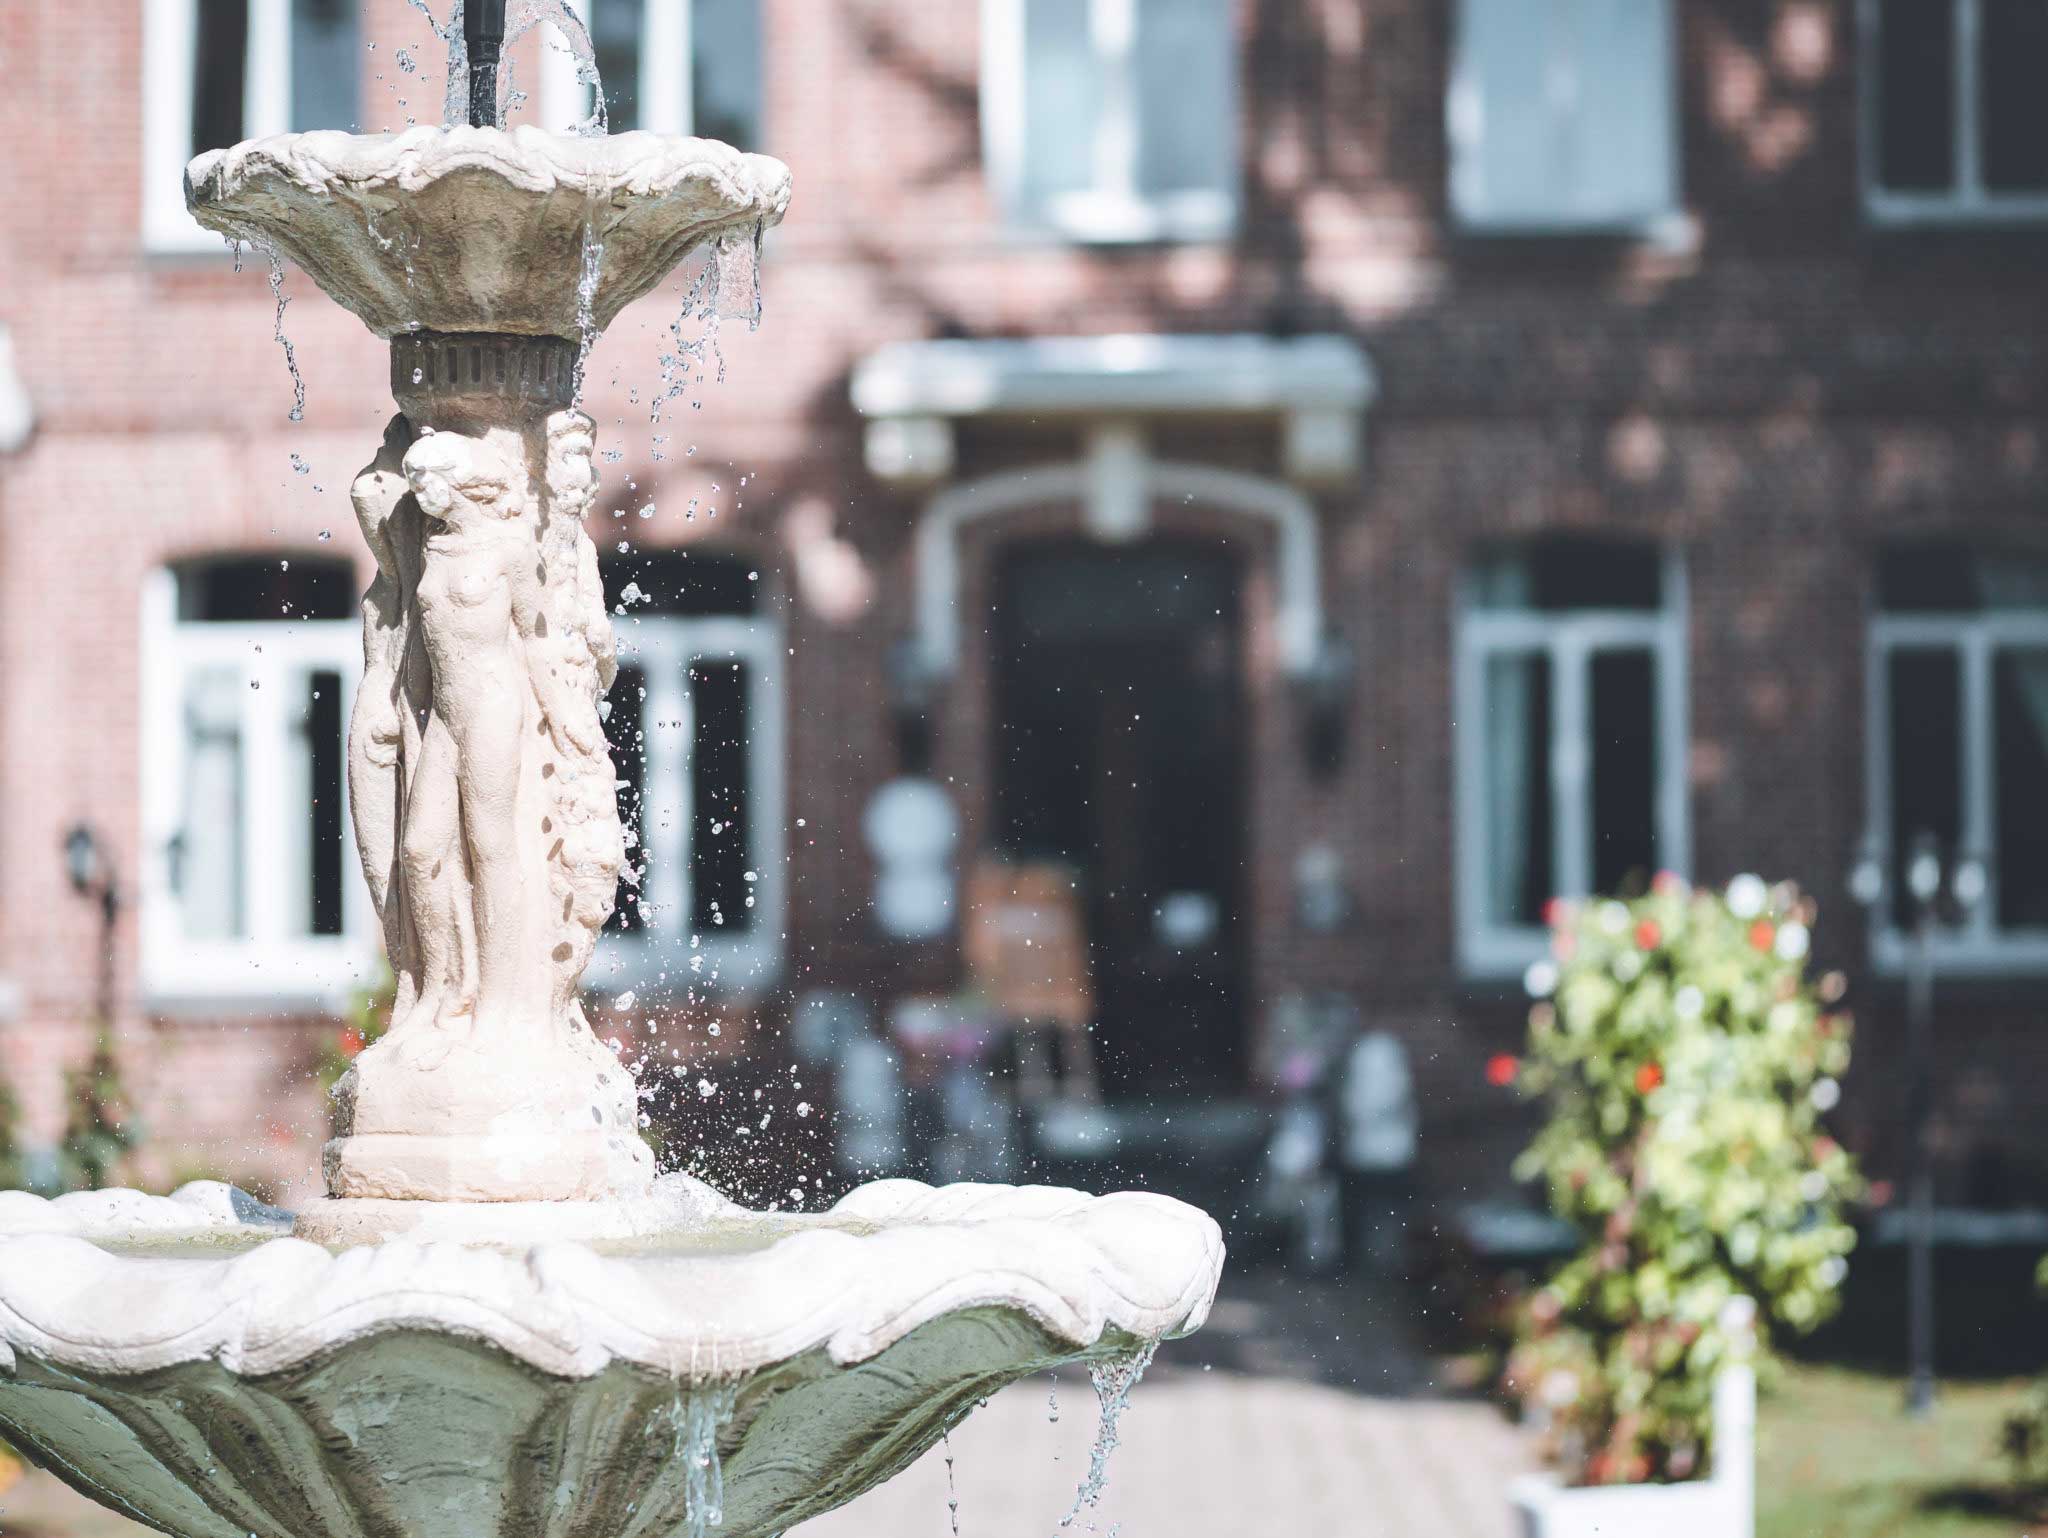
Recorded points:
(483, 229)
(454, 1389)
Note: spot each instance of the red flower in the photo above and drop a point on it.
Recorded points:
(1667, 883)
(1648, 1077)
(1763, 934)
(1648, 935)
(1557, 913)
(1501, 1069)
(349, 1042)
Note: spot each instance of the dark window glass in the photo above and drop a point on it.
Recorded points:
(1553, 574)
(725, 71)
(677, 582)
(1518, 800)
(615, 39)
(2020, 703)
(2012, 117)
(1916, 95)
(1624, 746)
(719, 832)
(323, 746)
(1949, 578)
(326, 53)
(220, 62)
(1926, 726)
(265, 587)
(626, 728)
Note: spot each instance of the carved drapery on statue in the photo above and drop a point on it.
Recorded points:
(486, 814)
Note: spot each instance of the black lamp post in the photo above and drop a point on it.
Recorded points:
(483, 34)
(91, 871)
(1925, 879)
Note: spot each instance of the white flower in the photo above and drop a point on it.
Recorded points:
(1688, 1002)
(1832, 1270)
(1747, 895)
(1541, 978)
(1813, 1185)
(1827, 1094)
(1793, 940)
(1558, 1388)
(1628, 966)
(1613, 917)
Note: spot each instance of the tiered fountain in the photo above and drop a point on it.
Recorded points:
(500, 1319)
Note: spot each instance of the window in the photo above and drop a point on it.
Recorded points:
(250, 883)
(216, 72)
(695, 722)
(1563, 115)
(1958, 745)
(1955, 124)
(668, 66)
(1112, 120)
(1570, 736)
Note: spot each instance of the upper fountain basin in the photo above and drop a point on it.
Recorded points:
(483, 229)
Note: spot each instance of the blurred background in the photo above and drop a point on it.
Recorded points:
(1231, 508)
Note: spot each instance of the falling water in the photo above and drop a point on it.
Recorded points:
(1113, 1380)
(521, 17)
(952, 1490)
(291, 360)
(697, 1416)
(586, 298)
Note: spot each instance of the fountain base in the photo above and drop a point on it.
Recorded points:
(671, 1208)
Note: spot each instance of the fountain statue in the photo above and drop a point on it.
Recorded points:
(500, 1318)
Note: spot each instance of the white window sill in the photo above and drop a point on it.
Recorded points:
(1098, 219)
(1934, 210)
(1501, 955)
(1666, 227)
(314, 977)
(2016, 953)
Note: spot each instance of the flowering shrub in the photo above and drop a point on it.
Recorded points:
(1687, 1065)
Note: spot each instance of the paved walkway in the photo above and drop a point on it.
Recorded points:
(1302, 1409)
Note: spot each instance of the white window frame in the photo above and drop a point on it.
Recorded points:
(1979, 946)
(269, 965)
(1570, 638)
(665, 89)
(170, 33)
(1114, 212)
(665, 647)
(1968, 201)
(1465, 111)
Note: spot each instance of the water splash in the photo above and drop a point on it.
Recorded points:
(696, 1417)
(291, 358)
(1113, 1380)
(586, 300)
(521, 17)
(952, 1490)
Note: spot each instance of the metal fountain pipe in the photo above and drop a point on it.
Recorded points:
(483, 32)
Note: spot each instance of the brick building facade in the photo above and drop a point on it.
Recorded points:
(1661, 382)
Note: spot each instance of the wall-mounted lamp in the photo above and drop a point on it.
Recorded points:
(1323, 692)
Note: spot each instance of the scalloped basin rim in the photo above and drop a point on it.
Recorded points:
(466, 230)
(887, 1259)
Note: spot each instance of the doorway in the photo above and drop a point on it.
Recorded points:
(1119, 753)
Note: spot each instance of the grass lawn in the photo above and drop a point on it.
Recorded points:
(1837, 1459)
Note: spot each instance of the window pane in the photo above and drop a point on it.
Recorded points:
(625, 726)
(1926, 695)
(265, 587)
(1624, 759)
(2013, 116)
(719, 828)
(1519, 878)
(2020, 685)
(1187, 96)
(326, 52)
(324, 737)
(615, 39)
(725, 71)
(1062, 85)
(206, 857)
(679, 582)
(220, 59)
(1916, 94)
(1556, 574)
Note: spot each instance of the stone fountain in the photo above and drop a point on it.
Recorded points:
(501, 1319)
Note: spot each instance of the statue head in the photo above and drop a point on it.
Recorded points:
(459, 480)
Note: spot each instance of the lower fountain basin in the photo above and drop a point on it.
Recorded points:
(179, 1361)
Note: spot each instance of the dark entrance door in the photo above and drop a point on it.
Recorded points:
(1118, 752)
